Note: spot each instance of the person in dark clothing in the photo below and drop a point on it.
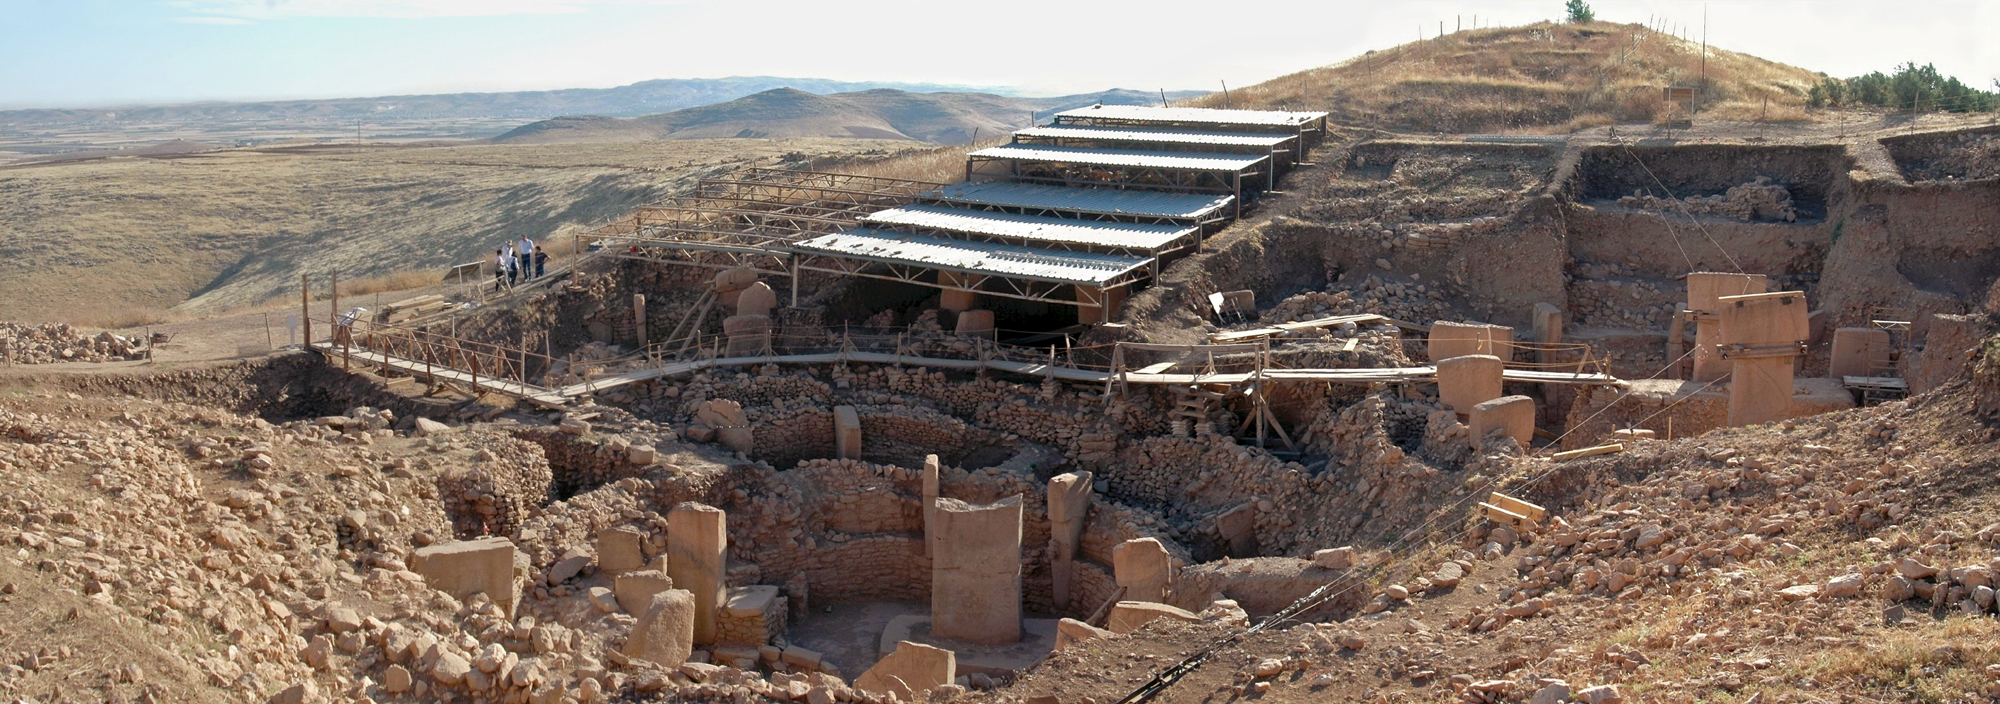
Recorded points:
(541, 261)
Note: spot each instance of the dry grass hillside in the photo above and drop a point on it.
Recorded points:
(1536, 78)
(118, 242)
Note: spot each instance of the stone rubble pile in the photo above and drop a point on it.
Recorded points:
(1757, 201)
(48, 343)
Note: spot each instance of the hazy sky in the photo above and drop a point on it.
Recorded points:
(107, 52)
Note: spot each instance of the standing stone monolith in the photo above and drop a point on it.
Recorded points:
(1705, 290)
(976, 571)
(1760, 337)
(931, 469)
(846, 433)
(1069, 501)
(1144, 568)
(1469, 380)
(697, 548)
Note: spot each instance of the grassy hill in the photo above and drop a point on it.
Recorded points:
(943, 118)
(1538, 78)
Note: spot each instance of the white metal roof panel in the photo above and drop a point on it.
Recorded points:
(1121, 134)
(983, 257)
(1124, 157)
(1103, 201)
(1141, 113)
(1094, 233)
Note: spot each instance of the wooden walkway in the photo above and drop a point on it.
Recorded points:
(552, 397)
(1338, 376)
(368, 359)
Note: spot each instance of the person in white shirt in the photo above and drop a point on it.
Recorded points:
(499, 269)
(343, 332)
(526, 253)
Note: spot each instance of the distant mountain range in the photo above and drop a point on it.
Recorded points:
(943, 118)
(643, 98)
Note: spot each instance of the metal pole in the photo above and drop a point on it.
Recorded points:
(305, 309)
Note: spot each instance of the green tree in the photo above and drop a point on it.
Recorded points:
(1579, 11)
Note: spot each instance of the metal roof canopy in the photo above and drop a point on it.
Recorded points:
(1264, 140)
(1028, 273)
(1140, 114)
(1066, 233)
(1132, 158)
(1087, 201)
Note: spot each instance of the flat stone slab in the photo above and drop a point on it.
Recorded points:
(1038, 639)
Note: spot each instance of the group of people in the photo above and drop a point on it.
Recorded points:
(518, 262)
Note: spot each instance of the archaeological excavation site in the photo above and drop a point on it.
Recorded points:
(1152, 404)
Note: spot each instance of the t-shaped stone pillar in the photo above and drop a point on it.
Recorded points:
(976, 571)
(1760, 337)
(1069, 501)
(697, 547)
(1705, 290)
(846, 433)
(1858, 352)
(1448, 339)
(1467, 381)
(1143, 567)
(931, 469)
(1515, 415)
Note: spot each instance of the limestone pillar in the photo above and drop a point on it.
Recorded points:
(1548, 330)
(931, 470)
(1760, 336)
(463, 568)
(953, 298)
(697, 546)
(639, 319)
(977, 321)
(731, 282)
(1858, 352)
(1948, 347)
(846, 433)
(1096, 306)
(1069, 502)
(1144, 568)
(1705, 289)
(1513, 414)
(1469, 380)
(976, 571)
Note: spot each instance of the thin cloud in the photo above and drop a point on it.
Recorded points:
(250, 10)
(213, 20)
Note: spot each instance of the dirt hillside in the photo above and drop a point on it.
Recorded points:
(1541, 77)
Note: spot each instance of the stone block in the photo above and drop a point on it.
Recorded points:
(636, 589)
(571, 564)
(618, 551)
(931, 469)
(1449, 339)
(697, 550)
(664, 634)
(641, 454)
(846, 433)
(730, 283)
(912, 669)
(1705, 290)
(721, 413)
(977, 321)
(1858, 352)
(1339, 558)
(749, 601)
(1070, 631)
(1469, 380)
(1238, 528)
(1129, 616)
(976, 571)
(1069, 503)
(1513, 415)
(1949, 343)
(954, 297)
(468, 567)
(1760, 382)
(1144, 568)
(756, 299)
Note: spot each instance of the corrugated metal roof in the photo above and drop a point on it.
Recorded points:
(1123, 157)
(1121, 134)
(1008, 260)
(1193, 115)
(1105, 201)
(1095, 233)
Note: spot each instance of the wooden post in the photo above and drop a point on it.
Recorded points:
(305, 310)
